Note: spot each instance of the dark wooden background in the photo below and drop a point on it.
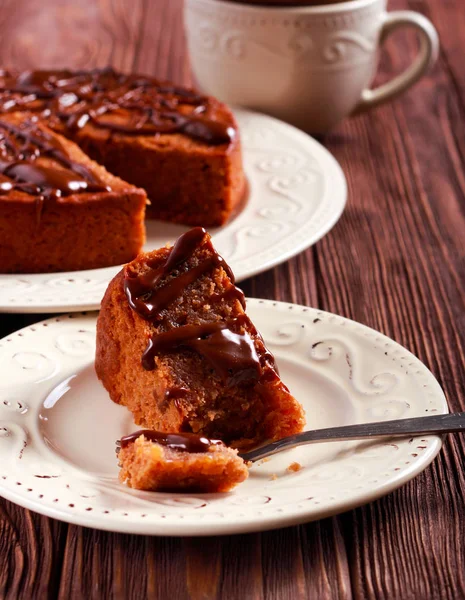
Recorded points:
(395, 261)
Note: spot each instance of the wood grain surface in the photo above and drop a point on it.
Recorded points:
(395, 261)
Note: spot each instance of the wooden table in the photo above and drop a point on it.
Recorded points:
(395, 261)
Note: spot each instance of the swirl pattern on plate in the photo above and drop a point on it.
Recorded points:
(39, 477)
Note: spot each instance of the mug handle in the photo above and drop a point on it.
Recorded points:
(427, 55)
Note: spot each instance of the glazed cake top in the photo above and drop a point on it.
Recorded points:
(127, 104)
(33, 161)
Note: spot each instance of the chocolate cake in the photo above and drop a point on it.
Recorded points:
(153, 461)
(175, 346)
(60, 211)
(183, 148)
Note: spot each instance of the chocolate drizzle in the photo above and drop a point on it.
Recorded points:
(228, 348)
(232, 355)
(173, 395)
(231, 293)
(183, 442)
(22, 147)
(128, 104)
(148, 300)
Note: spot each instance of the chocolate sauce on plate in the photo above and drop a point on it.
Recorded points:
(184, 442)
(129, 104)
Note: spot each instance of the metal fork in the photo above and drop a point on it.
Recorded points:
(437, 424)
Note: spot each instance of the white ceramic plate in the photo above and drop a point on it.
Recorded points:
(297, 192)
(58, 429)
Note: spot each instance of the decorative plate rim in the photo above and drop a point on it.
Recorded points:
(173, 524)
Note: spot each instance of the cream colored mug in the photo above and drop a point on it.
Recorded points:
(308, 65)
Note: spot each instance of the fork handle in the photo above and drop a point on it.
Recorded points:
(448, 423)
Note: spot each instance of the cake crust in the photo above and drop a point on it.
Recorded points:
(45, 226)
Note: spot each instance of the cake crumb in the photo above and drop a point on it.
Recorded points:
(264, 460)
(273, 477)
(294, 467)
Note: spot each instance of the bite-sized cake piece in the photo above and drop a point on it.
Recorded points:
(183, 148)
(155, 461)
(60, 211)
(175, 346)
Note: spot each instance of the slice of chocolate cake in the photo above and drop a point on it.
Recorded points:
(182, 147)
(175, 346)
(185, 462)
(59, 211)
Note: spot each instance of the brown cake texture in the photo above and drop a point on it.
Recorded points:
(175, 346)
(60, 211)
(183, 148)
(183, 463)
